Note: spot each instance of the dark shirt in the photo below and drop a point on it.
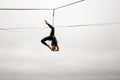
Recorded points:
(54, 41)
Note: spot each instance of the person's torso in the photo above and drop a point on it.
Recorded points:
(54, 41)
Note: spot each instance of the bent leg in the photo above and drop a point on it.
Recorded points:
(45, 39)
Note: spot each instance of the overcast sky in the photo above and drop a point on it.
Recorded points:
(88, 52)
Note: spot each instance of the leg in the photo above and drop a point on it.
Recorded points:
(52, 32)
(52, 29)
(45, 39)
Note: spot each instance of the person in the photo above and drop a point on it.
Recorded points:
(54, 43)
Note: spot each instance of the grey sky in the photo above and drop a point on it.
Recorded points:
(86, 52)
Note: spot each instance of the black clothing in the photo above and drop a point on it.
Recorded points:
(51, 37)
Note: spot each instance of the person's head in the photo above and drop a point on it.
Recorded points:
(54, 48)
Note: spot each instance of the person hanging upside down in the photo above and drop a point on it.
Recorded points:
(54, 44)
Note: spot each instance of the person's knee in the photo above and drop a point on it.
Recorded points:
(52, 28)
(42, 41)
